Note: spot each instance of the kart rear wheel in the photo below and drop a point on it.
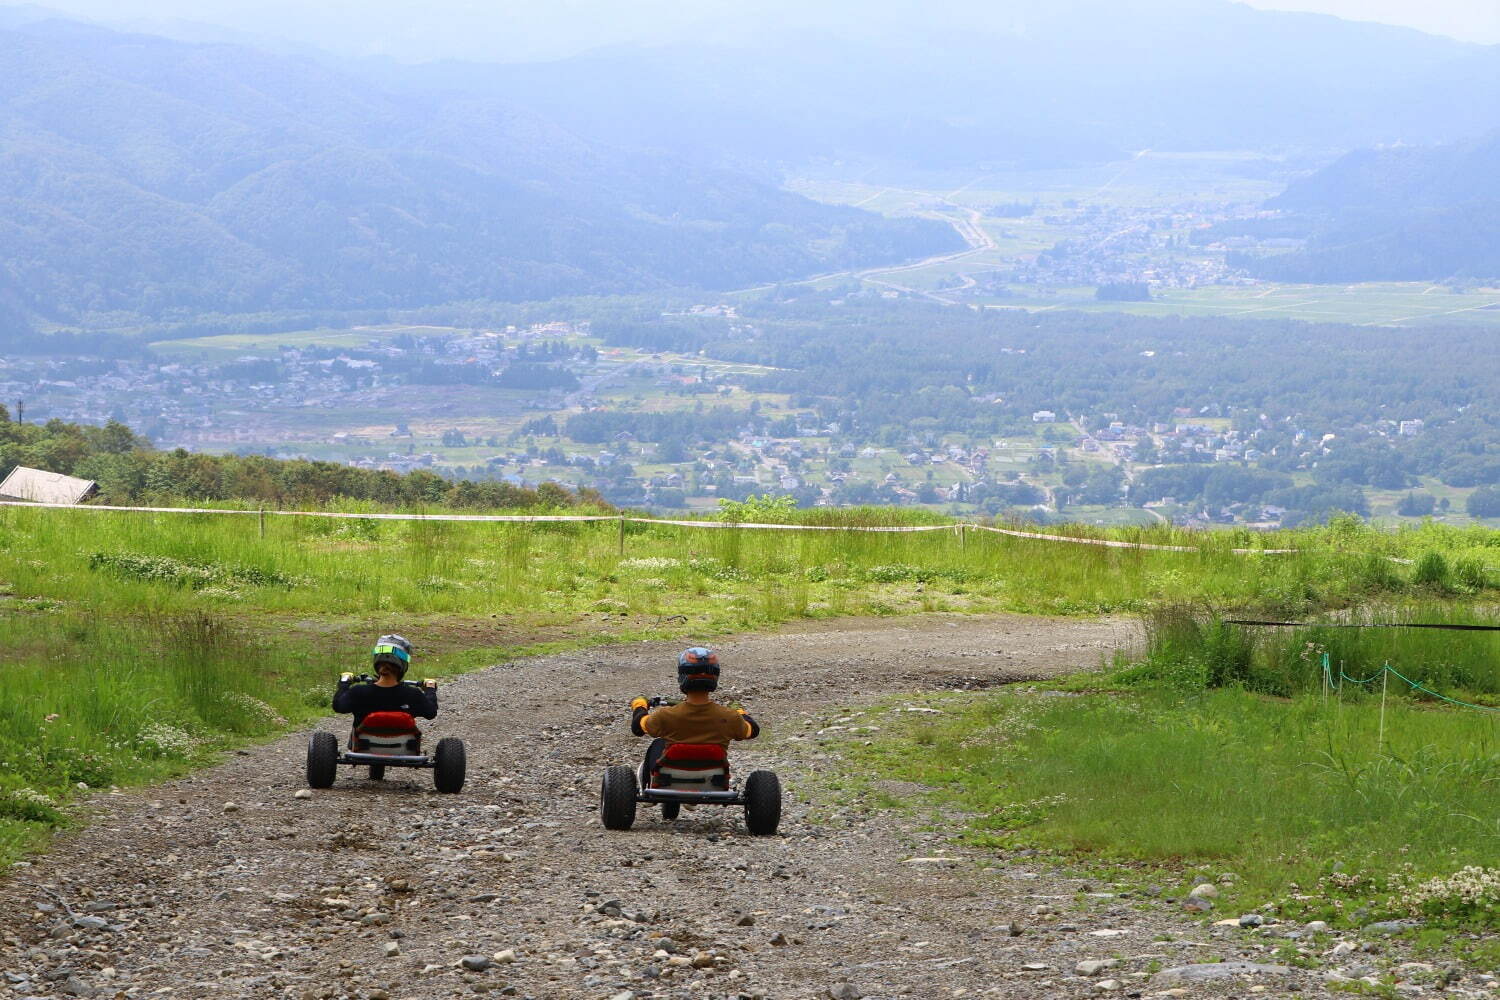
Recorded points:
(617, 798)
(762, 803)
(449, 764)
(322, 759)
(377, 772)
(671, 810)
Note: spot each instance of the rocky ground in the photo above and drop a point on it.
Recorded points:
(236, 882)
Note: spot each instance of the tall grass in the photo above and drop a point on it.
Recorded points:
(737, 577)
(1191, 649)
(124, 624)
(96, 701)
(1300, 800)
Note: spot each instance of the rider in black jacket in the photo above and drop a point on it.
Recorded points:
(392, 657)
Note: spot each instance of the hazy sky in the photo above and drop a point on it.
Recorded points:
(508, 29)
(1470, 20)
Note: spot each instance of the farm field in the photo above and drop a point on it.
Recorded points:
(1373, 304)
(226, 347)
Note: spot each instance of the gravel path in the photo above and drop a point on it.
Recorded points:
(225, 884)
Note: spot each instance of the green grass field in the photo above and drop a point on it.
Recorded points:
(227, 347)
(1314, 815)
(1373, 304)
(143, 643)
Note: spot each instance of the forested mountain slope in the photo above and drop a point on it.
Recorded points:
(145, 177)
(1398, 213)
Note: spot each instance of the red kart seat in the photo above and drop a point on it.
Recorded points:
(388, 723)
(707, 752)
(692, 767)
(387, 732)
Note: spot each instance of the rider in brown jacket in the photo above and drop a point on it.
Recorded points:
(697, 718)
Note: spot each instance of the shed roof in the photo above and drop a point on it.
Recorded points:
(40, 486)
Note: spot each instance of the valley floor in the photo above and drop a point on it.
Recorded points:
(224, 884)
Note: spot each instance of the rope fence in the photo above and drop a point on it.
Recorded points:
(1335, 681)
(959, 528)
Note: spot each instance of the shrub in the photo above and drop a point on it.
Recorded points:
(1471, 893)
(28, 804)
(1431, 570)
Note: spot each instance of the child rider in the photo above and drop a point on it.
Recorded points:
(695, 719)
(392, 657)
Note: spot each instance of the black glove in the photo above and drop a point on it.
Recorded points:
(754, 726)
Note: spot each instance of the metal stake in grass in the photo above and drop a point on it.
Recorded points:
(1385, 676)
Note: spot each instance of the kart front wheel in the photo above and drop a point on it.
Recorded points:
(449, 764)
(617, 798)
(671, 810)
(377, 772)
(322, 759)
(762, 803)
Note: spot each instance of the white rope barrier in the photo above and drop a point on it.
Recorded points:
(1116, 544)
(791, 527)
(958, 527)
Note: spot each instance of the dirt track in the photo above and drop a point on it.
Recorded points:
(379, 890)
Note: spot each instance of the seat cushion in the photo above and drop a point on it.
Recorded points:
(706, 753)
(692, 767)
(388, 724)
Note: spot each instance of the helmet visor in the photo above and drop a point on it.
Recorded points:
(387, 653)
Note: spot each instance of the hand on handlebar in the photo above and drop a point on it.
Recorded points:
(638, 703)
(428, 682)
(345, 678)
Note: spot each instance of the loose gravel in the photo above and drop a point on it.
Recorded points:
(234, 883)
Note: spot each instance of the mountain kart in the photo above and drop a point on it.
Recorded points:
(382, 740)
(678, 774)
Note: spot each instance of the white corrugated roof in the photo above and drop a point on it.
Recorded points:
(40, 486)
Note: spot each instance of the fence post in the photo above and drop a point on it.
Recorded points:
(1385, 676)
(263, 523)
(622, 536)
(1325, 681)
(960, 529)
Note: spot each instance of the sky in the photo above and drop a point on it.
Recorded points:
(506, 30)
(1469, 20)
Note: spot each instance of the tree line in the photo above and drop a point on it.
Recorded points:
(130, 471)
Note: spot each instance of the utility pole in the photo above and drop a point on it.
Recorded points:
(20, 411)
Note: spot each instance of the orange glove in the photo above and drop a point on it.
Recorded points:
(639, 703)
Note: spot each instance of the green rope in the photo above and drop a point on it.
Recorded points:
(1355, 680)
(1343, 678)
(1418, 686)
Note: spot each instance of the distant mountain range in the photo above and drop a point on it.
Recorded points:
(1396, 214)
(142, 177)
(959, 83)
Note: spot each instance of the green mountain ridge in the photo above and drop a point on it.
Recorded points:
(1399, 213)
(141, 177)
